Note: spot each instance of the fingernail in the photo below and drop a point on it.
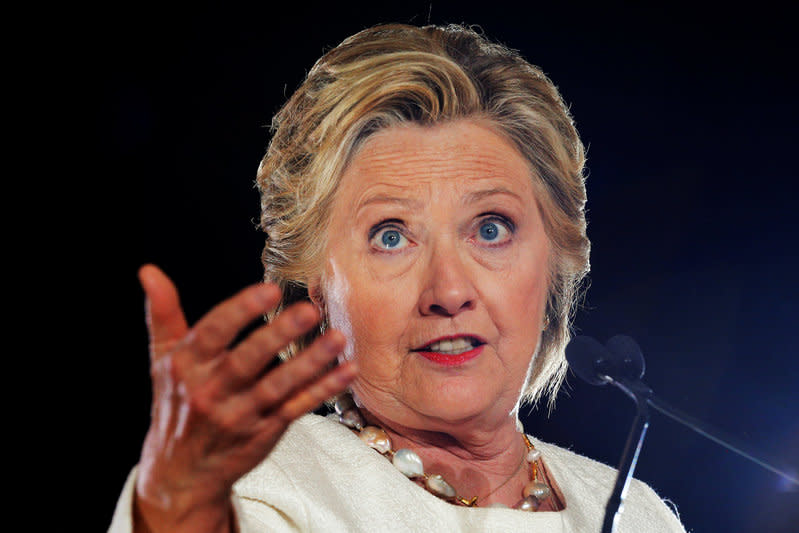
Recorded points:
(145, 277)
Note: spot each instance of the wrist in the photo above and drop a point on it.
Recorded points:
(181, 514)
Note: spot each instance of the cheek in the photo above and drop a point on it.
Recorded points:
(519, 304)
(379, 323)
(374, 317)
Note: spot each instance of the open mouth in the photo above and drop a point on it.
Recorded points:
(452, 345)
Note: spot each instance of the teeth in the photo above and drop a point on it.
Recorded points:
(451, 347)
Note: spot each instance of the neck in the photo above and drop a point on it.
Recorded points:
(487, 462)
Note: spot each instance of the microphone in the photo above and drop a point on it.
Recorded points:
(620, 362)
(590, 360)
(628, 355)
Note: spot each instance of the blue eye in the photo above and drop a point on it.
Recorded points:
(489, 231)
(389, 238)
(493, 231)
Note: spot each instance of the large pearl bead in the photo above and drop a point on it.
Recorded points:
(376, 438)
(533, 455)
(528, 504)
(352, 418)
(343, 403)
(438, 486)
(408, 462)
(537, 490)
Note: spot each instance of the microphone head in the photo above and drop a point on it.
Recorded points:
(588, 359)
(627, 355)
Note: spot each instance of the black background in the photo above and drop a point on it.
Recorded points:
(690, 116)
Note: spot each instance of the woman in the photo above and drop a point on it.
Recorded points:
(423, 202)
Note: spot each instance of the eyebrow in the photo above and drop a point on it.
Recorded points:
(476, 196)
(410, 203)
(386, 199)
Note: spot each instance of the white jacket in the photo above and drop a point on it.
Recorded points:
(322, 478)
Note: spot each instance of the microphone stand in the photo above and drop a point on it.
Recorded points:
(640, 393)
(644, 397)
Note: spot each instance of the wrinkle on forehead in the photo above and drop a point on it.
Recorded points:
(397, 162)
(440, 150)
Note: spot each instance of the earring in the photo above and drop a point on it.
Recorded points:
(546, 323)
(322, 317)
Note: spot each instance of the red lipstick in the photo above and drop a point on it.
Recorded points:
(446, 359)
(452, 360)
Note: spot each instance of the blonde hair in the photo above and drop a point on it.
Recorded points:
(395, 74)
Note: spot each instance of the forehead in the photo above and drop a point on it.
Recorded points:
(413, 159)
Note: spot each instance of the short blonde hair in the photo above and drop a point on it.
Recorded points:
(395, 74)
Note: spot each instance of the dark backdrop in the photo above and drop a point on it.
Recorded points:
(690, 116)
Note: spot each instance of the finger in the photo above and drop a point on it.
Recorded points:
(269, 428)
(296, 373)
(313, 395)
(251, 356)
(166, 322)
(217, 329)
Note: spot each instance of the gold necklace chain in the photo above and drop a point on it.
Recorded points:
(528, 447)
(410, 464)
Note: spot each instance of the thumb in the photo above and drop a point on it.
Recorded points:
(166, 322)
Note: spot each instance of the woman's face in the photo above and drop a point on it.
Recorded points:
(437, 273)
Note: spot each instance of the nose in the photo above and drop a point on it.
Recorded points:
(449, 288)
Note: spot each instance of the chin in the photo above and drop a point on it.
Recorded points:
(455, 403)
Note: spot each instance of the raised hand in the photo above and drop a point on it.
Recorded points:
(216, 412)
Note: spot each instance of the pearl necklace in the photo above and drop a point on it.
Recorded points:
(409, 463)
